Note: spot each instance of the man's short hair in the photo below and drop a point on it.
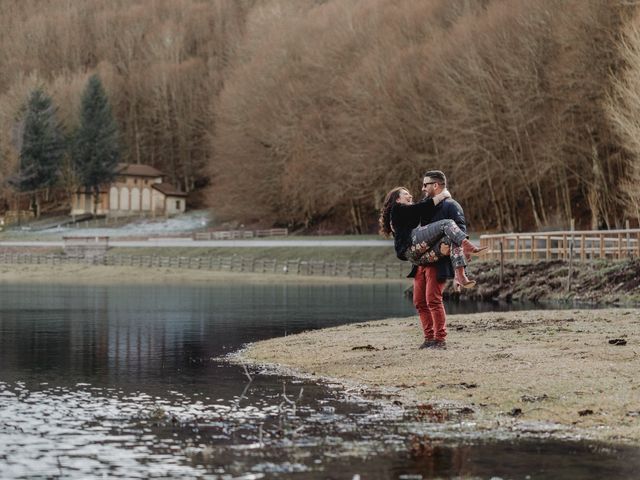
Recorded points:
(437, 175)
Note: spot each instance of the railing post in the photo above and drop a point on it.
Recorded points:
(533, 244)
(501, 263)
(619, 246)
(548, 255)
(570, 266)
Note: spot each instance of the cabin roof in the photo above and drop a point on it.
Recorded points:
(138, 170)
(168, 189)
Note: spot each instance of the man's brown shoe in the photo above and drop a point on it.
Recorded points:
(426, 344)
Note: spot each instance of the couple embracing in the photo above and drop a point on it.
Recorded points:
(431, 234)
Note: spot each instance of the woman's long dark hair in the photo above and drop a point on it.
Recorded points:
(385, 213)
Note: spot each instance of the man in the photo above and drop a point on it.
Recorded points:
(429, 280)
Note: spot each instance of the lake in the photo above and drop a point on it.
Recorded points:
(122, 382)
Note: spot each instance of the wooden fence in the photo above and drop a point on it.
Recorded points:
(582, 245)
(85, 246)
(222, 264)
(239, 234)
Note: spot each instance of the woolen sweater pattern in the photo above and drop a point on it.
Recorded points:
(404, 218)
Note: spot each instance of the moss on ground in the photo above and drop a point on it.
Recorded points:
(613, 282)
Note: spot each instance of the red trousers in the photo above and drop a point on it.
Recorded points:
(427, 298)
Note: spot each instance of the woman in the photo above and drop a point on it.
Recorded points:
(401, 218)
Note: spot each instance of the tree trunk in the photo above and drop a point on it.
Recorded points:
(356, 217)
(566, 196)
(534, 210)
(35, 205)
(541, 204)
(496, 207)
(96, 200)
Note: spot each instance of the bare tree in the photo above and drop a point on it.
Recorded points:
(623, 109)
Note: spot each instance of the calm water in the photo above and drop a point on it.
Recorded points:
(119, 381)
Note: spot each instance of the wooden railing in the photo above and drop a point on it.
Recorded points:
(579, 245)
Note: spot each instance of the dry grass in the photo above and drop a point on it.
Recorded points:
(74, 274)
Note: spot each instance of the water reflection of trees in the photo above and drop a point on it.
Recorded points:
(114, 333)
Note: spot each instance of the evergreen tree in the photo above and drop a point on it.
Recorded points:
(42, 145)
(96, 149)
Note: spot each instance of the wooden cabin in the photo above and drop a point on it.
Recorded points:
(136, 190)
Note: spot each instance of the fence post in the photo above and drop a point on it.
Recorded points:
(501, 263)
(570, 267)
(570, 257)
(619, 246)
(533, 251)
(548, 254)
(602, 250)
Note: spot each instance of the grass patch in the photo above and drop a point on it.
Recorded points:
(355, 254)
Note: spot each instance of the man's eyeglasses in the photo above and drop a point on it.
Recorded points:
(428, 183)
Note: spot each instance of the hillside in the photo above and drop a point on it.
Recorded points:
(303, 114)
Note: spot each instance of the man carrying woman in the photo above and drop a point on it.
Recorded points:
(424, 233)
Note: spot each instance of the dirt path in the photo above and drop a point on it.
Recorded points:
(559, 372)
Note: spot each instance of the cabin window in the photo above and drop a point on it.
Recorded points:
(177, 204)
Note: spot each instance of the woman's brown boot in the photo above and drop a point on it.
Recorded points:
(469, 248)
(461, 281)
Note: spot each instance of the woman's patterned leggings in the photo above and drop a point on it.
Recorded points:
(427, 240)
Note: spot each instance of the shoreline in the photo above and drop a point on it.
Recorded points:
(596, 284)
(107, 274)
(530, 373)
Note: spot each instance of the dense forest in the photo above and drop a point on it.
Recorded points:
(305, 112)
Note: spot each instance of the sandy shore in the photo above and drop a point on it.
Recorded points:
(99, 274)
(553, 372)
